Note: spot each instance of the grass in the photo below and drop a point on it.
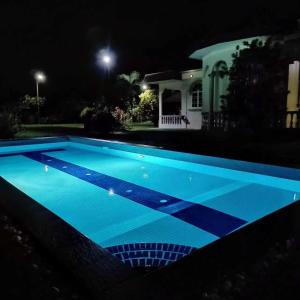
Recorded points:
(39, 130)
(141, 126)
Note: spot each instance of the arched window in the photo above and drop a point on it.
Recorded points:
(196, 92)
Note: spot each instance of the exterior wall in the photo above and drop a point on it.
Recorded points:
(219, 53)
(209, 62)
(194, 115)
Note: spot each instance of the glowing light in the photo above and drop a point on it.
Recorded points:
(128, 191)
(163, 201)
(191, 76)
(46, 168)
(105, 58)
(111, 192)
(40, 77)
(144, 86)
(88, 174)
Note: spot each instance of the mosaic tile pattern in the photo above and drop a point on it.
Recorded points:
(25, 152)
(146, 255)
(203, 217)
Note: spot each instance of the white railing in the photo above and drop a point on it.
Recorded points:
(171, 121)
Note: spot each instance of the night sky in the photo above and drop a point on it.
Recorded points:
(62, 37)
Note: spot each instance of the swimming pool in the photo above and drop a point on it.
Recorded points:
(147, 206)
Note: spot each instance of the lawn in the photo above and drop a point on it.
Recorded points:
(39, 130)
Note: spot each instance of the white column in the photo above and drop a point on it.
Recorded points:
(293, 88)
(160, 92)
(184, 103)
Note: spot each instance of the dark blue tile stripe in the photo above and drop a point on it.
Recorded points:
(24, 152)
(150, 254)
(211, 220)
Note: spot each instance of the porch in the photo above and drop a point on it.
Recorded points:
(180, 98)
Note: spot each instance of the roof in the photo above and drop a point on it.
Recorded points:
(160, 76)
(168, 75)
(200, 53)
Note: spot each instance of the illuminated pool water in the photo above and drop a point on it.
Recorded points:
(147, 206)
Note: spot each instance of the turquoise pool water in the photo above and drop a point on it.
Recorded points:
(147, 206)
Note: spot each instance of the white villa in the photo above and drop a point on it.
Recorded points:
(192, 99)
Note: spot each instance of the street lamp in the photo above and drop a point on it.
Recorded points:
(144, 86)
(105, 59)
(39, 78)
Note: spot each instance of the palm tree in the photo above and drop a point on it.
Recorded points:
(131, 87)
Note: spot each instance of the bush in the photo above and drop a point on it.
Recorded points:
(86, 115)
(98, 119)
(120, 115)
(136, 114)
(8, 125)
(148, 106)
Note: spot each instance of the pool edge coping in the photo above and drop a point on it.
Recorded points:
(96, 267)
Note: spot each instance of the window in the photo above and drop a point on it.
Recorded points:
(197, 96)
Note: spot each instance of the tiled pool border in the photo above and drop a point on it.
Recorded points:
(225, 163)
(232, 164)
(222, 257)
(148, 255)
(96, 267)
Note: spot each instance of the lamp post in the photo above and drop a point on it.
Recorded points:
(39, 78)
(106, 59)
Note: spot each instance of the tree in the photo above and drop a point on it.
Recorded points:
(257, 85)
(148, 106)
(28, 107)
(130, 88)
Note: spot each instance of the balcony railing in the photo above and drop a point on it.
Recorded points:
(172, 120)
(288, 119)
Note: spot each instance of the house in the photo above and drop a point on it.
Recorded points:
(192, 99)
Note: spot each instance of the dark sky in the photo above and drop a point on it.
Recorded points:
(62, 37)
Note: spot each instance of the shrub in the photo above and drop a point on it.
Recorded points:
(136, 114)
(120, 115)
(86, 115)
(98, 119)
(8, 125)
(148, 106)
